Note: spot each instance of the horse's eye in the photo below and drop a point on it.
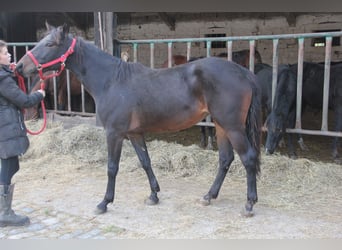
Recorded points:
(50, 44)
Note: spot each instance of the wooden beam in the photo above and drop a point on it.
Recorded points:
(170, 22)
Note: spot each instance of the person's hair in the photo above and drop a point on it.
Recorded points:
(2, 44)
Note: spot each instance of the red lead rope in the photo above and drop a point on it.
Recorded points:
(21, 83)
(43, 77)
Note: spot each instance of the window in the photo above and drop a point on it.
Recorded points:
(216, 44)
(320, 41)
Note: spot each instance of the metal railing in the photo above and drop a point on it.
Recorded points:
(229, 42)
(252, 39)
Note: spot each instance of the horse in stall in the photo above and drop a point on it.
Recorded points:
(240, 57)
(62, 95)
(132, 99)
(281, 116)
(312, 96)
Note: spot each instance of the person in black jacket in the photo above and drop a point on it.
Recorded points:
(13, 136)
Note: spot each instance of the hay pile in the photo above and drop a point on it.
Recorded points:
(284, 182)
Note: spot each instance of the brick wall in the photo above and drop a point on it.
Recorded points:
(288, 49)
(237, 27)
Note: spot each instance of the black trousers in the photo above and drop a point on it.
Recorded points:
(8, 168)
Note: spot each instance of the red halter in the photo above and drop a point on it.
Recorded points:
(61, 60)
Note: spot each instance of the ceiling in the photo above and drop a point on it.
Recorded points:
(84, 20)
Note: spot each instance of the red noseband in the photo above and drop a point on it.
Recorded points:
(60, 60)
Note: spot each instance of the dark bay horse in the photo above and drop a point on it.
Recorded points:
(132, 99)
(283, 114)
(313, 81)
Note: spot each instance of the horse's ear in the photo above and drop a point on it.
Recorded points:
(65, 28)
(48, 26)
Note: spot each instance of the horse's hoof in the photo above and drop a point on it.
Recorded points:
(100, 209)
(205, 201)
(248, 210)
(152, 200)
(338, 160)
(293, 157)
(247, 213)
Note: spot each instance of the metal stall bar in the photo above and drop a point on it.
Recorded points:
(82, 99)
(274, 68)
(208, 48)
(328, 41)
(188, 51)
(169, 54)
(208, 117)
(299, 83)
(14, 53)
(251, 55)
(152, 55)
(135, 52)
(229, 50)
(68, 89)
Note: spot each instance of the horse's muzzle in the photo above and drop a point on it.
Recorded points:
(19, 68)
(268, 151)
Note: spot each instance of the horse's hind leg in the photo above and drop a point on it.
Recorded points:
(139, 145)
(211, 138)
(249, 158)
(203, 137)
(338, 128)
(226, 156)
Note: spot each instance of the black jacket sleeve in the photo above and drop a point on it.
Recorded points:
(10, 90)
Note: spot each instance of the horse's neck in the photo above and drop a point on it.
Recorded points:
(90, 64)
(94, 68)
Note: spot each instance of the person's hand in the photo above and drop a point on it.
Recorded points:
(42, 92)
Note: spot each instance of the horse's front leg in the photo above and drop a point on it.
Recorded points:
(114, 144)
(338, 128)
(290, 145)
(139, 145)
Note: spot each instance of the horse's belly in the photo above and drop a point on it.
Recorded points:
(175, 123)
(168, 120)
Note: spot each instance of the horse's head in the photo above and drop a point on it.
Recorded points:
(51, 47)
(274, 126)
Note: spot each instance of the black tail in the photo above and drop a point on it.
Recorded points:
(254, 122)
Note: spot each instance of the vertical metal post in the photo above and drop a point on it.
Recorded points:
(14, 54)
(251, 54)
(208, 48)
(274, 68)
(299, 83)
(68, 89)
(169, 54)
(328, 42)
(135, 52)
(188, 50)
(152, 55)
(82, 99)
(208, 118)
(55, 93)
(230, 50)
(28, 79)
